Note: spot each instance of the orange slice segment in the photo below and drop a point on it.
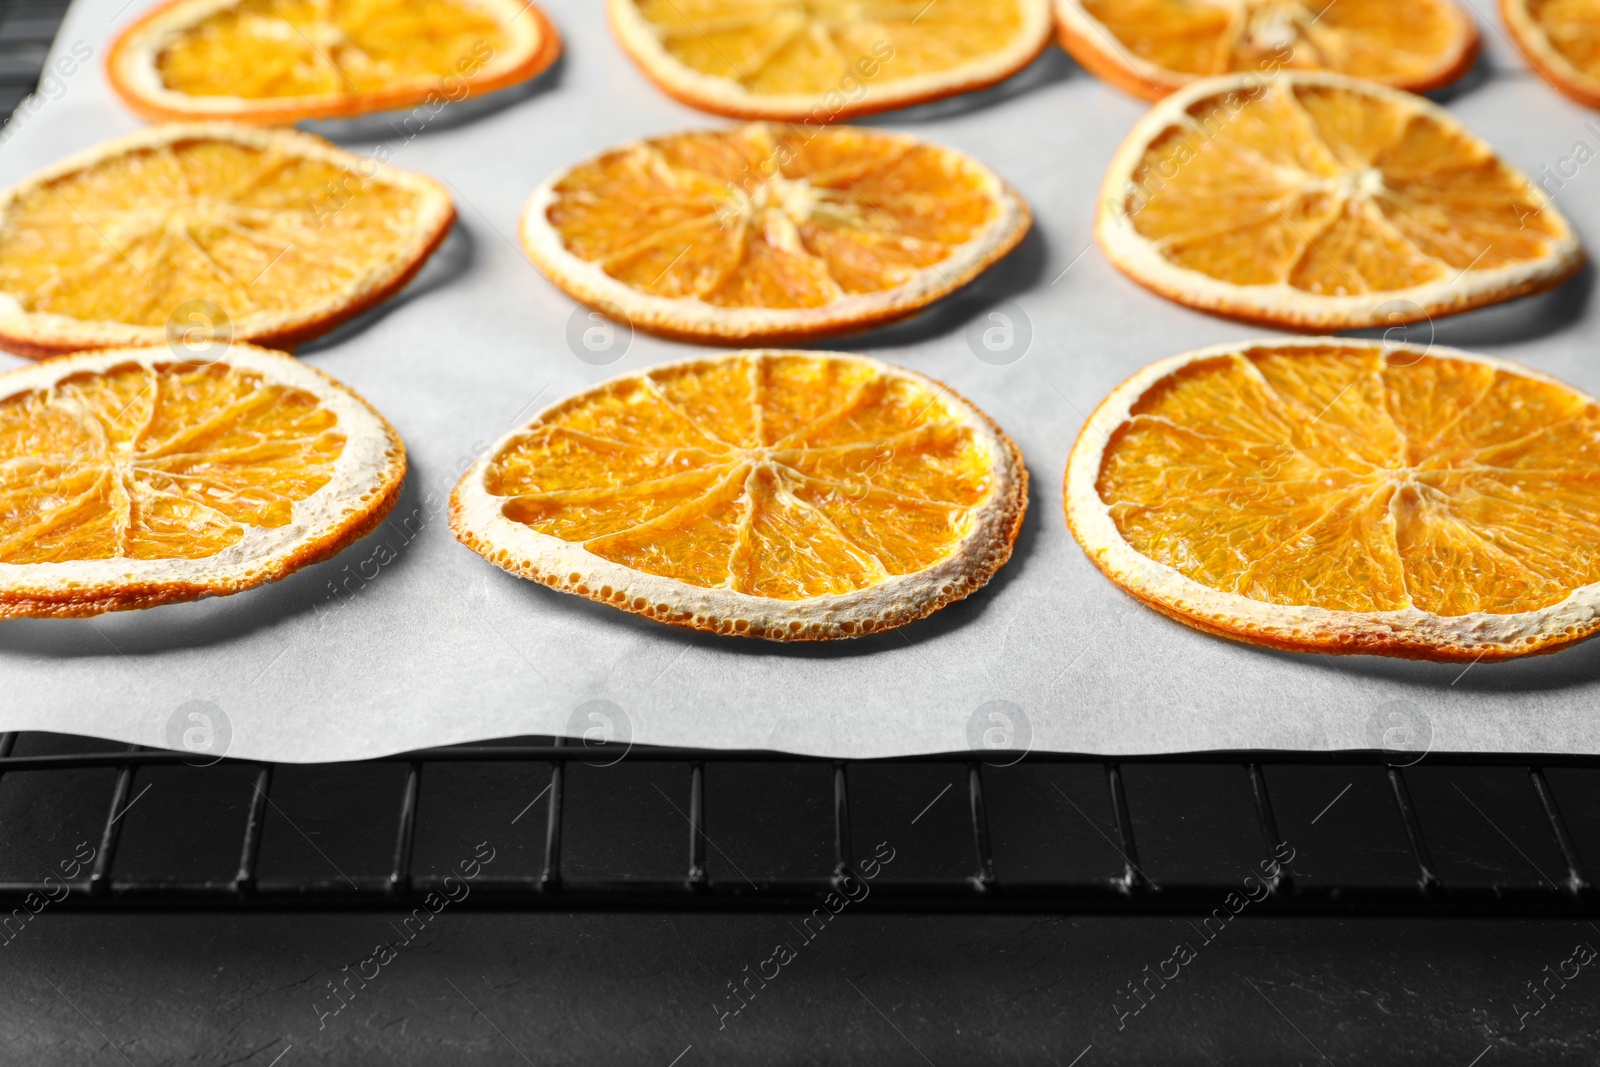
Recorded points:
(1154, 47)
(786, 495)
(1339, 496)
(824, 60)
(276, 62)
(768, 231)
(1561, 39)
(1315, 201)
(207, 231)
(130, 478)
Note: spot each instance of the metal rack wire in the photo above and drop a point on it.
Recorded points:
(26, 29)
(986, 889)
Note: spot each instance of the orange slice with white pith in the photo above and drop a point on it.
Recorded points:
(133, 477)
(770, 232)
(1318, 202)
(1154, 47)
(207, 231)
(1346, 496)
(1561, 39)
(277, 62)
(818, 61)
(788, 495)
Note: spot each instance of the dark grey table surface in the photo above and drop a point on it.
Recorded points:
(640, 989)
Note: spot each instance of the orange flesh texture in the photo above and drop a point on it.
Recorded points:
(1573, 29)
(1382, 40)
(765, 216)
(131, 238)
(1359, 481)
(782, 476)
(264, 49)
(773, 47)
(171, 463)
(1331, 192)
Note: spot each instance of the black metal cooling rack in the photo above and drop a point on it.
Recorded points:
(988, 887)
(26, 29)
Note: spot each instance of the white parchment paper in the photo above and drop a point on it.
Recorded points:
(355, 659)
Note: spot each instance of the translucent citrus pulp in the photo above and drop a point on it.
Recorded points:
(1561, 38)
(1317, 201)
(231, 232)
(132, 477)
(768, 231)
(1341, 496)
(788, 495)
(823, 60)
(1152, 47)
(278, 61)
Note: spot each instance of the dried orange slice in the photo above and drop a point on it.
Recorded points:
(1337, 495)
(769, 232)
(133, 477)
(276, 62)
(209, 230)
(1154, 47)
(796, 496)
(825, 60)
(1315, 201)
(1561, 39)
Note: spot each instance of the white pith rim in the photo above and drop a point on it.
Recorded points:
(1531, 35)
(478, 520)
(1094, 34)
(369, 467)
(134, 60)
(1461, 635)
(1281, 302)
(434, 214)
(641, 40)
(588, 282)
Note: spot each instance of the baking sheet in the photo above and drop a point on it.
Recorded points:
(355, 659)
